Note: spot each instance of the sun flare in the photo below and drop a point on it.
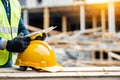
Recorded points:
(91, 1)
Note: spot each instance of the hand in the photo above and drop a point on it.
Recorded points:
(41, 37)
(18, 44)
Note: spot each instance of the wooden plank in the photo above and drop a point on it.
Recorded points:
(65, 78)
(101, 63)
(46, 17)
(88, 43)
(99, 74)
(57, 74)
(91, 48)
(83, 69)
(103, 20)
(109, 57)
(60, 75)
(110, 69)
(66, 69)
(101, 55)
(64, 24)
(116, 56)
(14, 70)
(86, 31)
(39, 74)
(56, 37)
(91, 69)
(68, 73)
(93, 30)
(94, 21)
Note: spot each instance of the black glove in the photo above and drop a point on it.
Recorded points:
(41, 37)
(18, 44)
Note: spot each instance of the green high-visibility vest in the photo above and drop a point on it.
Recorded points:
(9, 30)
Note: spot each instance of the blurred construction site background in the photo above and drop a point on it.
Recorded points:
(87, 32)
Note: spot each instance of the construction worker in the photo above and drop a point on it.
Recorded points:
(11, 25)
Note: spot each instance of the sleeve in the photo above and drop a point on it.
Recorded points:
(2, 41)
(22, 28)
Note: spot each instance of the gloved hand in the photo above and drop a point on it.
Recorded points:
(44, 35)
(18, 44)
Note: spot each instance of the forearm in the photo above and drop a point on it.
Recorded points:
(22, 28)
(3, 43)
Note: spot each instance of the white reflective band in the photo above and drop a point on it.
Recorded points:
(6, 30)
(14, 29)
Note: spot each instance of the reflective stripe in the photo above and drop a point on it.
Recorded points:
(14, 29)
(6, 30)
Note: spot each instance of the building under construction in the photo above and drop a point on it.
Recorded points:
(71, 15)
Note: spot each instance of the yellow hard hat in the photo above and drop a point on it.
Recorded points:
(39, 55)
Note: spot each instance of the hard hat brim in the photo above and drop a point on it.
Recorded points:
(54, 68)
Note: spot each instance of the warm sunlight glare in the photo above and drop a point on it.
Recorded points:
(91, 1)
